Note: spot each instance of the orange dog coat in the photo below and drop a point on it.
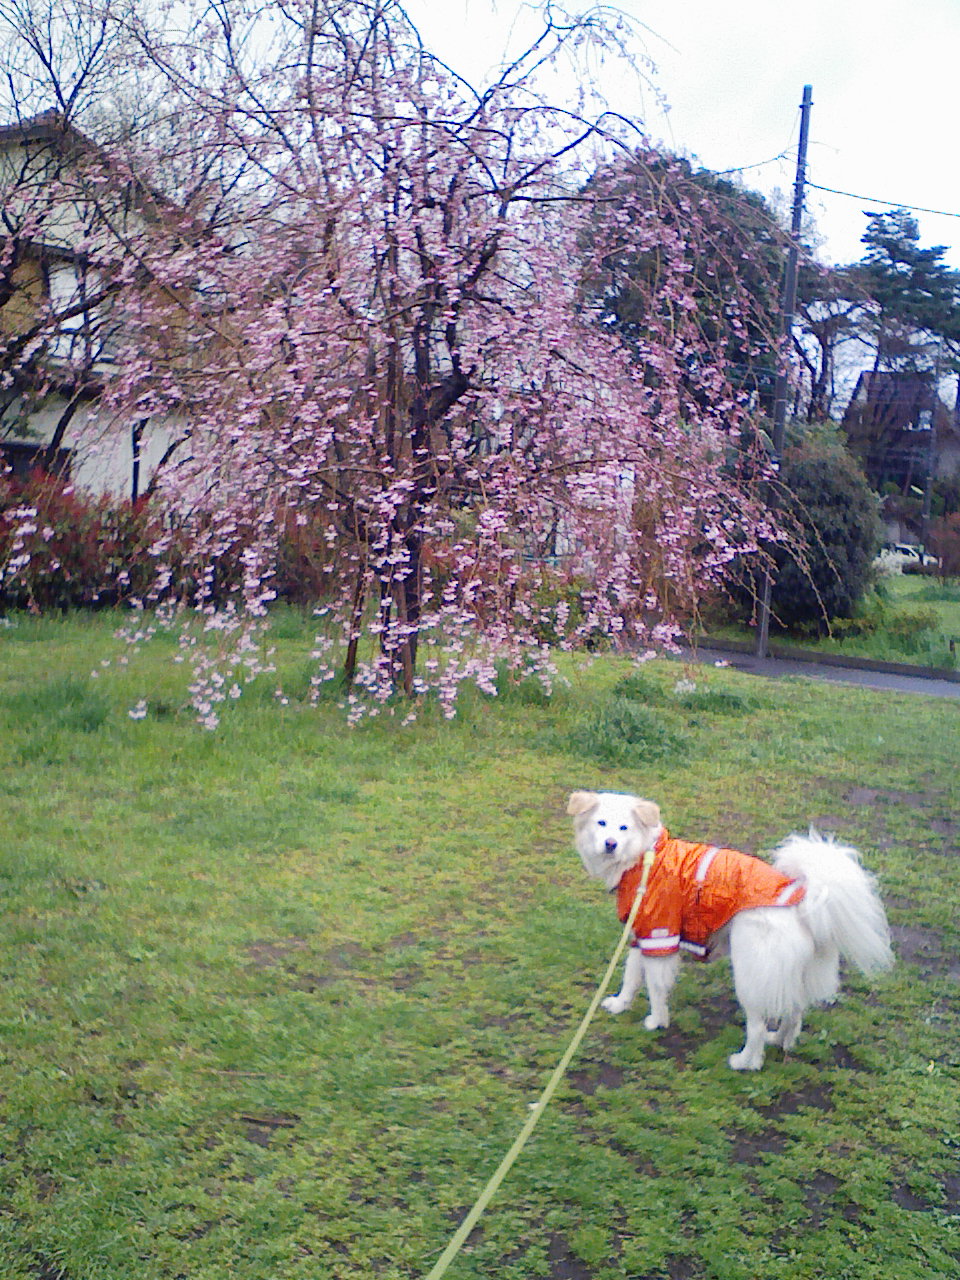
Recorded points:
(694, 890)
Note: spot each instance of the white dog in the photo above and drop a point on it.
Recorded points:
(787, 924)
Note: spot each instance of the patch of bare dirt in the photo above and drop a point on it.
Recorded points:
(907, 1199)
(732, 831)
(565, 1265)
(924, 948)
(714, 1014)
(504, 1021)
(334, 964)
(601, 1076)
(844, 1059)
(406, 978)
(878, 802)
(717, 1013)
(261, 1129)
(881, 795)
(817, 1096)
(43, 1269)
(821, 1190)
(750, 1148)
(642, 1164)
(46, 1187)
(406, 939)
(677, 1044)
(272, 951)
(679, 1267)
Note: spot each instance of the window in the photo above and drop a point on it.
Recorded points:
(22, 458)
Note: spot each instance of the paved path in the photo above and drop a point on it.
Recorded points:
(773, 668)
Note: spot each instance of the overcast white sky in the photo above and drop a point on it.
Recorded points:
(885, 82)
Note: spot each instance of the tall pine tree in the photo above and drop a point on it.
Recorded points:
(916, 295)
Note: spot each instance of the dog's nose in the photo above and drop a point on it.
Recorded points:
(610, 845)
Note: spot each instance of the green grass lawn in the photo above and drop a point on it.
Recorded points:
(276, 999)
(911, 619)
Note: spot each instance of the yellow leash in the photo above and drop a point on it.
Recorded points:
(538, 1108)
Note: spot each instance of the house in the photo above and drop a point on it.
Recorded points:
(902, 433)
(59, 334)
(898, 428)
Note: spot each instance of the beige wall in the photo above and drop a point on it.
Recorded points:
(102, 446)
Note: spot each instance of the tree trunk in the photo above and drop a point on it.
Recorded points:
(356, 615)
(411, 604)
(49, 458)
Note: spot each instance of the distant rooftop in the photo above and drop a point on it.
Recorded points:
(47, 124)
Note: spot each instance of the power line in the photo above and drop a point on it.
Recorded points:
(894, 204)
(761, 164)
(742, 168)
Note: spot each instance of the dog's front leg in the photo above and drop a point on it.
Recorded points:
(660, 973)
(632, 981)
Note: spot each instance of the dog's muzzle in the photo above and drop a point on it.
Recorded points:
(610, 846)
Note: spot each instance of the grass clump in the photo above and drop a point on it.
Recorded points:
(722, 702)
(639, 687)
(626, 732)
(528, 690)
(687, 694)
(66, 702)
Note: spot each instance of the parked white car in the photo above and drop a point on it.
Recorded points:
(895, 557)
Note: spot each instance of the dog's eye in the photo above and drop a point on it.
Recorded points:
(602, 822)
(623, 828)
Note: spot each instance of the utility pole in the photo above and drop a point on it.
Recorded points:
(788, 305)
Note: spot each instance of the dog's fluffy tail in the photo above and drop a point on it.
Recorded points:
(842, 908)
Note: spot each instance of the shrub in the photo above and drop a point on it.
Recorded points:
(869, 618)
(907, 628)
(60, 549)
(305, 562)
(523, 690)
(945, 543)
(835, 513)
(558, 607)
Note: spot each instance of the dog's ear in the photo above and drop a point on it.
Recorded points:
(581, 801)
(647, 813)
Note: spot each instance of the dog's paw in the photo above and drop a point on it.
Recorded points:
(744, 1062)
(653, 1023)
(785, 1035)
(615, 1004)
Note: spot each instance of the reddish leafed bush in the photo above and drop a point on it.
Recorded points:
(945, 544)
(60, 549)
(63, 549)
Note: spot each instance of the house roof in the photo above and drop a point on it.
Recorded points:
(898, 397)
(53, 126)
(48, 126)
